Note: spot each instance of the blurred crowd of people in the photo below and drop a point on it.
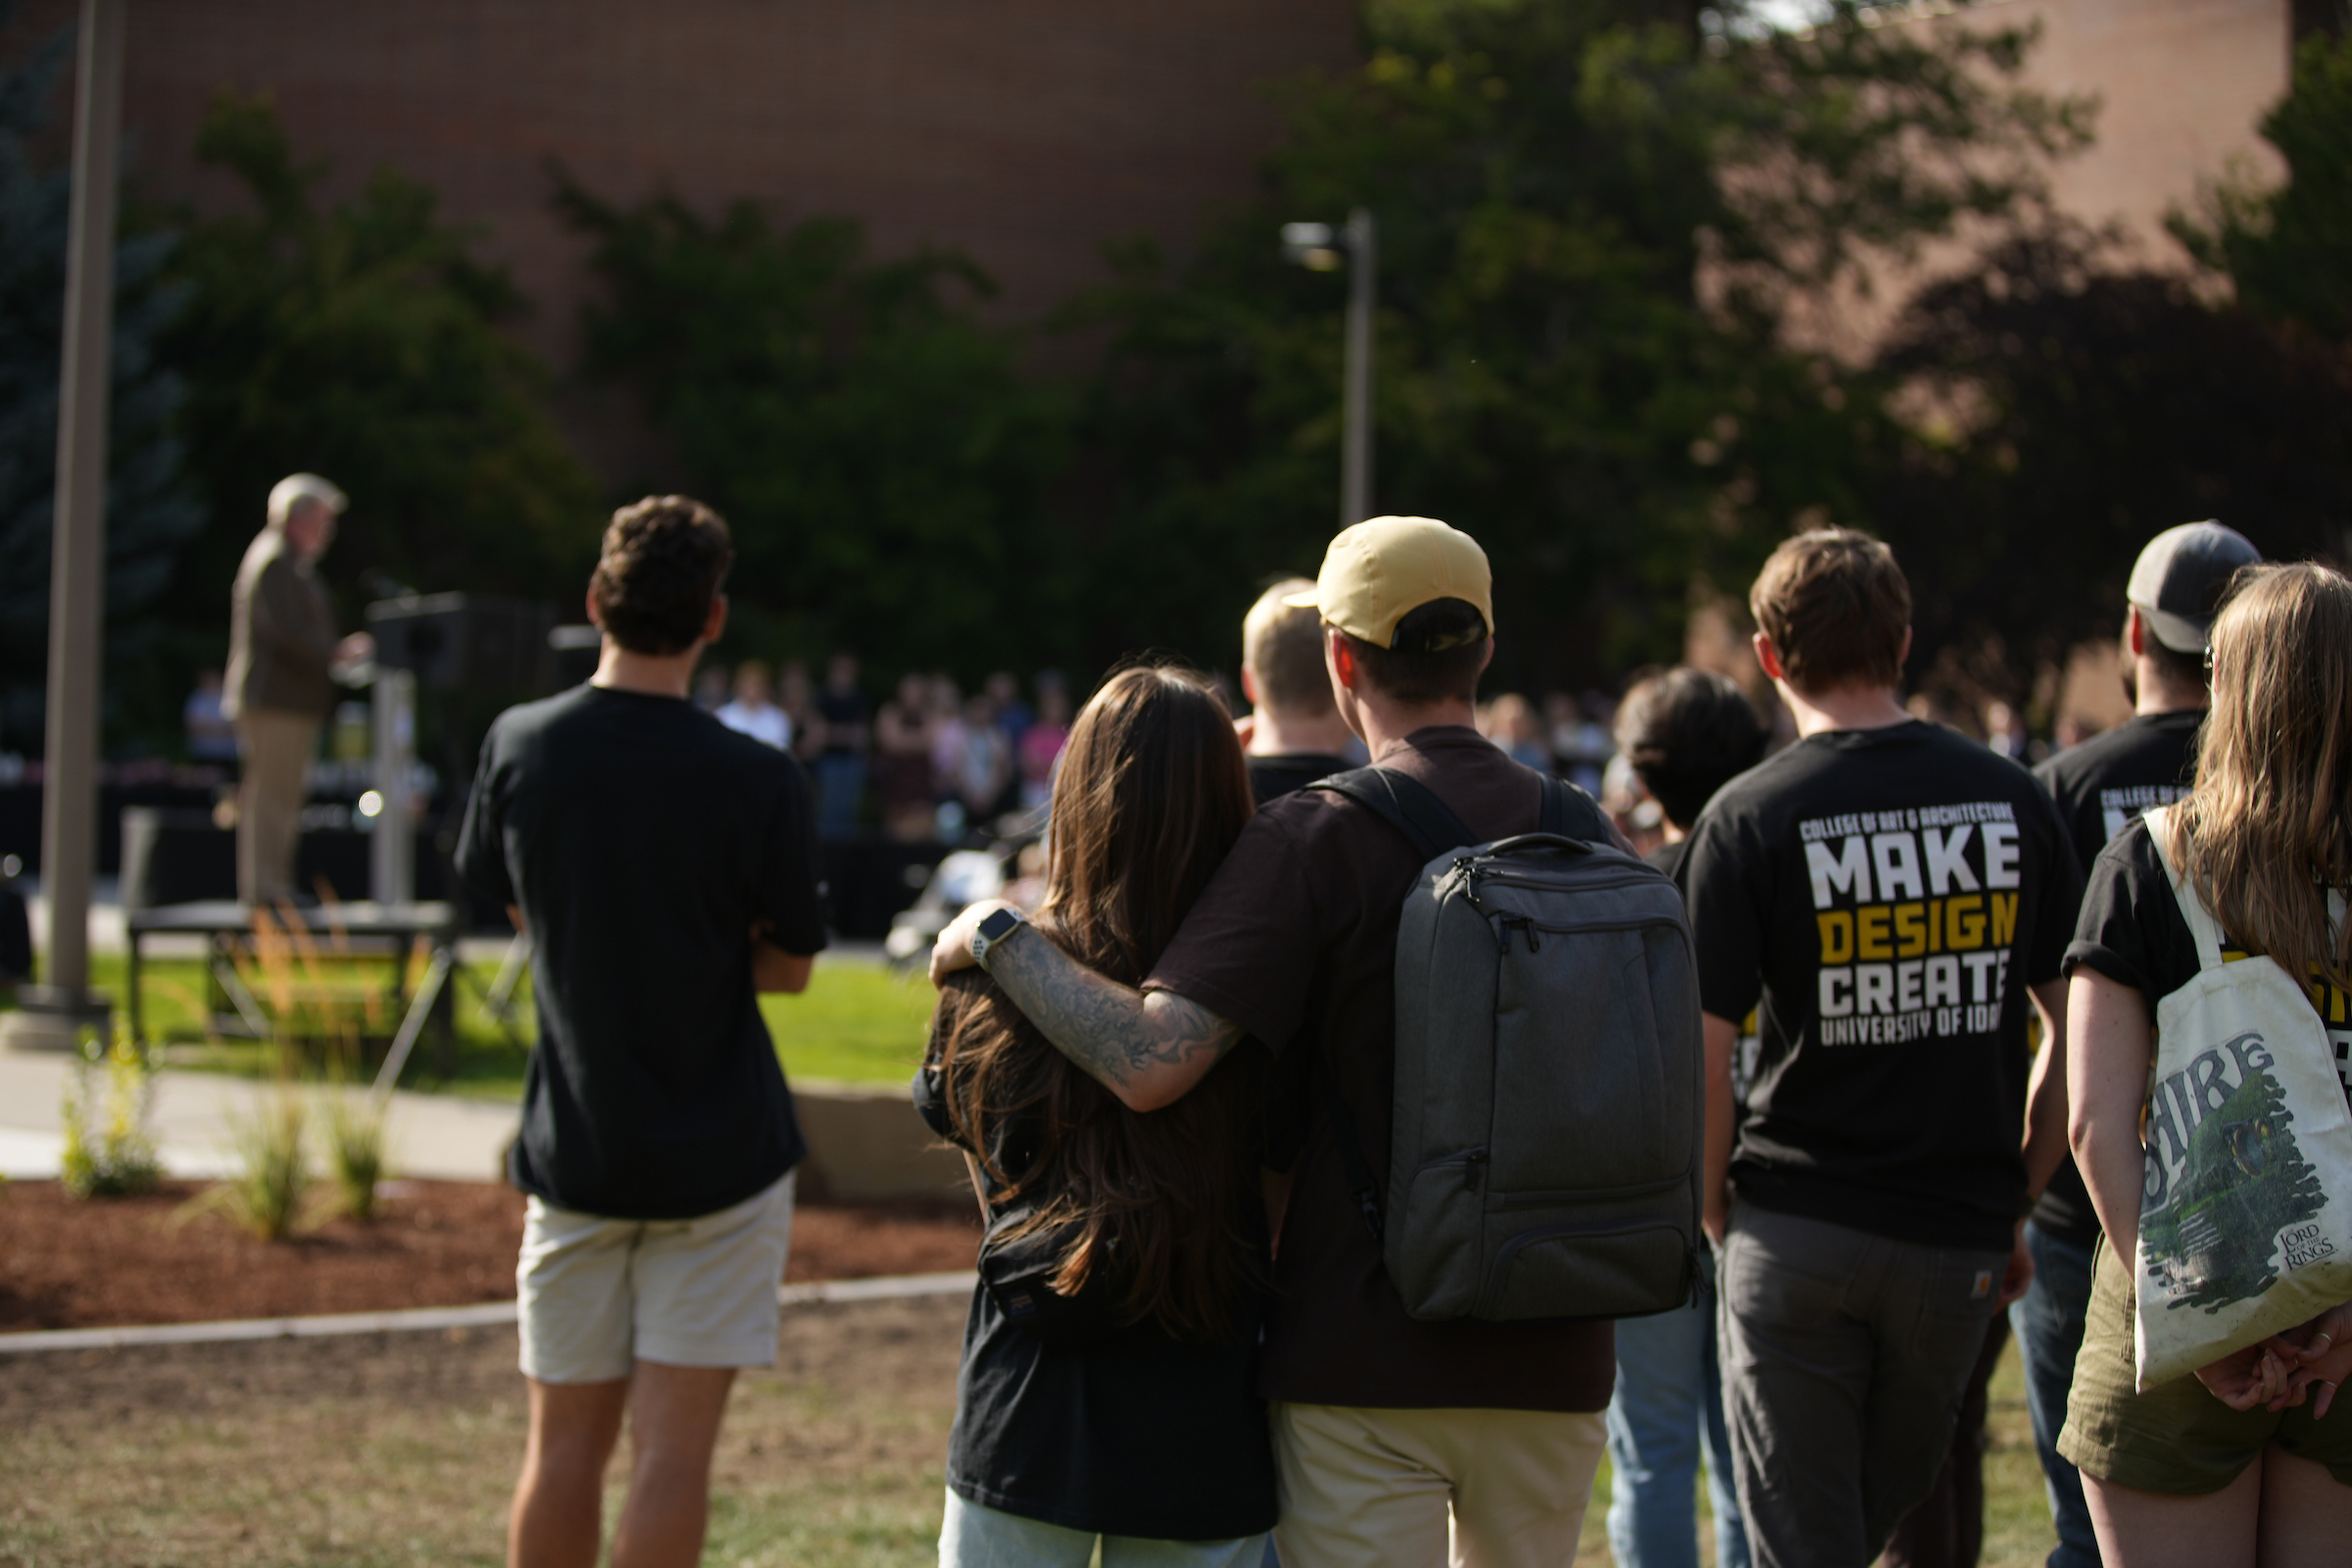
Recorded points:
(931, 763)
(934, 764)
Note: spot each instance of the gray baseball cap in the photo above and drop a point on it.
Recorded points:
(2177, 581)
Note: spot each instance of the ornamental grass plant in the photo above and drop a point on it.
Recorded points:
(109, 1153)
(272, 1188)
(353, 1123)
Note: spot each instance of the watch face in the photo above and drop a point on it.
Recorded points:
(997, 925)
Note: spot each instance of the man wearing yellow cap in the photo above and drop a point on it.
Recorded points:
(1387, 1430)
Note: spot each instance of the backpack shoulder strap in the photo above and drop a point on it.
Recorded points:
(1410, 805)
(1570, 813)
(2203, 929)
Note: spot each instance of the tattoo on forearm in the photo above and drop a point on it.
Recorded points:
(1113, 1031)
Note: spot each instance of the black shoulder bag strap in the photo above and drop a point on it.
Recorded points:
(1571, 814)
(1429, 824)
(1410, 805)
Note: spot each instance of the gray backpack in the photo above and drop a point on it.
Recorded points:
(1545, 1150)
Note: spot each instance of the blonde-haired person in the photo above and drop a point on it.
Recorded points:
(1294, 732)
(2242, 1462)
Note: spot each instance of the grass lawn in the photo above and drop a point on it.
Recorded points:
(398, 1450)
(858, 1022)
(402, 1448)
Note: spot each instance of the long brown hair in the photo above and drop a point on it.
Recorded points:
(2268, 828)
(1150, 794)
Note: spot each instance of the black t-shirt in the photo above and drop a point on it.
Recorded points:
(1294, 940)
(1138, 1434)
(2102, 785)
(2100, 788)
(843, 712)
(1883, 897)
(1271, 777)
(642, 838)
(2132, 932)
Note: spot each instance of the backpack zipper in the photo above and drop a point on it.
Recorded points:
(1482, 871)
(1502, 933)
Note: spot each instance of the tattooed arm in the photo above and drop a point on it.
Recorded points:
(1149, 1048)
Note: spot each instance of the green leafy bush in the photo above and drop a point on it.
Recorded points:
(2289, 248)
(151, 509)
(365, 340)
(1599, 223)
(874, 445)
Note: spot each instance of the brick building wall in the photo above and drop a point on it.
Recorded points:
(2180, 83)
(1024, 132)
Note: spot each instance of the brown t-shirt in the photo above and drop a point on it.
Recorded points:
(1294, 940)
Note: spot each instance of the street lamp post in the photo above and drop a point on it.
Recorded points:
(52, 1015)
(1356, 247)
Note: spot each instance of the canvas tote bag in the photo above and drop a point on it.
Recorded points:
(2245, 1214)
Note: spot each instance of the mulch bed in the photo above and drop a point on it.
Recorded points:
(109, 1262)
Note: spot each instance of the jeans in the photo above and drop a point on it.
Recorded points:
(2049, 1323)
(1668, 1406)
(840, 791)
(1846, 1355)
(974, 1536)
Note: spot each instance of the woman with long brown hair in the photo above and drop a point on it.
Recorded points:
(2242, 1462)
(1106, 1393)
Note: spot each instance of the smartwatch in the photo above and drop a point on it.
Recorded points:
(998, 924)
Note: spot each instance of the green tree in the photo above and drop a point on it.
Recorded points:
(1596, 219)
(151, 510)
(2288, 249)
(363, 340)
(875, 446)
(2082, 409)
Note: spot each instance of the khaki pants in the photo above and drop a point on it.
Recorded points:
(277, 748)
(1416, 1489)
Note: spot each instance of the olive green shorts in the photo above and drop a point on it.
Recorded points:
(2177, 1438)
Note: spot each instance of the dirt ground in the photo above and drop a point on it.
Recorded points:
(401, 1448)
(115, 1262)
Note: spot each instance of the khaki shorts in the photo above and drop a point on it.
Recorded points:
(1407, 1489)
(598, 1296)
(2177, 1438)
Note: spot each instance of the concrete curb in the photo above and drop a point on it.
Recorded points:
(488, 1314)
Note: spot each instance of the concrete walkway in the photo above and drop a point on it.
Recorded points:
(862, 1137)
(433, 1136)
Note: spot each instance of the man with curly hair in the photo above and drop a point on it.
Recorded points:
(665, 868)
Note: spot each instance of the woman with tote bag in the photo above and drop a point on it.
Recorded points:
(2210, 1121)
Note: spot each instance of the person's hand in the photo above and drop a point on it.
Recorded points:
(2322, 1352)
(953, 949)
(357, 648)
(2020, 1275)
(2259, 1374)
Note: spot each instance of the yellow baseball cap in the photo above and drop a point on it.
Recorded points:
(1382, 569)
